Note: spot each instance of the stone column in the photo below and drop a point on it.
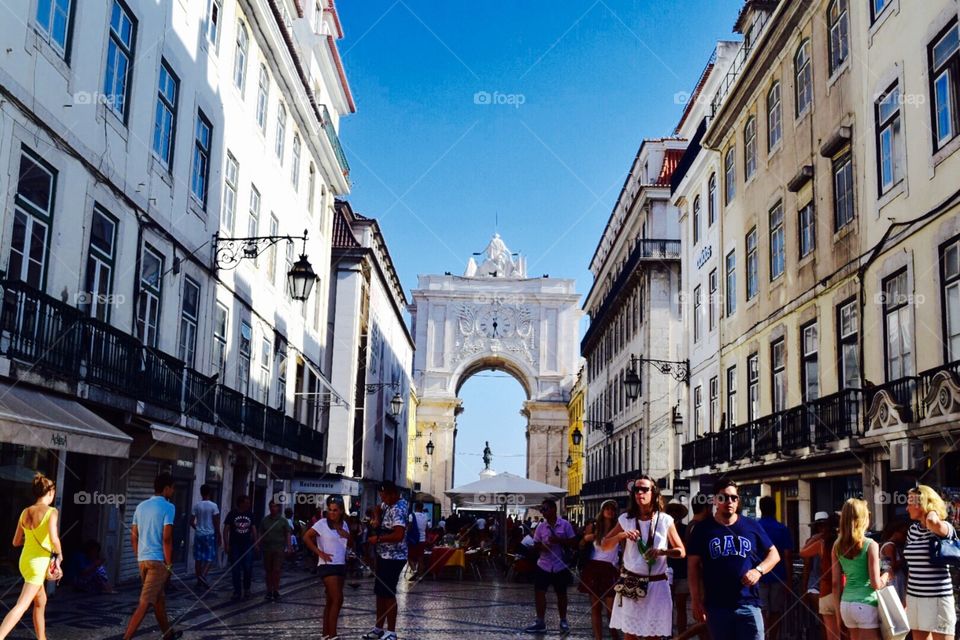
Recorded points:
(436, 421)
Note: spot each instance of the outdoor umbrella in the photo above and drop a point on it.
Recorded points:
(504, 489)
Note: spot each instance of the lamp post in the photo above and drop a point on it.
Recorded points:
(229, 252)
(430, 448)
(396, 403)
(576, 436)
(679, 369)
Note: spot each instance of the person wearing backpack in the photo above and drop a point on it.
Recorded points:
(416, 537)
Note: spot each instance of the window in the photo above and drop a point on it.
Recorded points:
(714, 403)
(240, 57)
(889, 141)
(777, 242)
(189, 318)
(697, 409)
(295, 162)
(877, 7)
(201, 159)
(696, 220)
(243, 371)
(753, 387)
(839, 23)
(100, 262)
(311, 188)
(712, 309)
(281, 132)
(774, 117)
(697, 310)
(731, 396)
(116, 83)
(898, 327)
(263, 97)
(806, 222)
(219, 355)
(165, 118)
(280, 398)
(272, 251)
(214, 10)
(148, 297)
(731, 288)
(32, 217)
(230, 178)
(253, 217)
(266, 364)
(847, 348)
(803, 75)
(730, 175)
(712, 200)
(843, 210)
(749, 149)
(752, 262)
(810, 345)
(778, 376)
(55, 24)
(945, 76)
(950, 279)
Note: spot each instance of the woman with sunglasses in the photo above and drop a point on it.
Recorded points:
(644, 607)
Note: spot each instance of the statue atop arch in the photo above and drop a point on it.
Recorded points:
(498, 262)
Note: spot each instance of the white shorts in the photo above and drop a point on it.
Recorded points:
(856, 615)
(932, 614)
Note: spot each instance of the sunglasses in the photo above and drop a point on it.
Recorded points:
(642, 489)
(722, 497)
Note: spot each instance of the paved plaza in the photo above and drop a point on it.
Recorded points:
(429, 610)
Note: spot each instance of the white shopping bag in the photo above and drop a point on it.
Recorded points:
(893, 618)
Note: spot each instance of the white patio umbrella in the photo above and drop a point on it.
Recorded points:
(504, 489)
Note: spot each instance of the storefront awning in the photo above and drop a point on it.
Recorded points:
(38, 419)
(173, 435)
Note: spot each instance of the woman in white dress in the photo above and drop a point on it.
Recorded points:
(643, 607)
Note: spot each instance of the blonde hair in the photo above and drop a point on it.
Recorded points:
(929, 500)
(854, 519)
(42, 485)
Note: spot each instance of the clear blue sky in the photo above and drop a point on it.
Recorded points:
(575, 86)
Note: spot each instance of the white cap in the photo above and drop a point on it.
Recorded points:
(821, 516)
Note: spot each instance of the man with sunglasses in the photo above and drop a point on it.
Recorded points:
(550, 538)
(727, 556)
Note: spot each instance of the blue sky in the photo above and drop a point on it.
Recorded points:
(526, 111)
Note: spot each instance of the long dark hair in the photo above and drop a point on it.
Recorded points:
(602, 526)
(633, 510)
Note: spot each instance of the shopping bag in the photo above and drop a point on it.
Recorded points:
(893, 618)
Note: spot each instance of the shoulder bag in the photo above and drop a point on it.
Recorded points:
(633, 585)
(945, 552)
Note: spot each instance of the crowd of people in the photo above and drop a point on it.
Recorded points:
(640, 567)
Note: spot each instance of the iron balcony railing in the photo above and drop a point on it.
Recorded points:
(335, 142)
(905, 393)
(739, 61)
(39, 329)
(200, 396)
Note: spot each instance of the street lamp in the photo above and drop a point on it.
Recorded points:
(229, 252)
(396, 403)
(556, 470)
(426, 465)
(679, 369)
(430, 448)
(569, 461)
(631, 383)
(577, 437)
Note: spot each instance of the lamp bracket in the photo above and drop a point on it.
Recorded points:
(679, 369)
(229, 252)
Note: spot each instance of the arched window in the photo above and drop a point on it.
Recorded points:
(730, 175)
(774, 117)
(696, 219)
(803, 74)
(712, 200)
(750, 148)
(263, 96)
(240, 57)
(839, 23)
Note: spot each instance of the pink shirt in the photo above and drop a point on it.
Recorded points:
(551, 557)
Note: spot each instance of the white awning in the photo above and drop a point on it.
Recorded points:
(173, 435)
(40, 419)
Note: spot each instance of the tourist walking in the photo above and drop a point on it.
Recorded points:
(151, 538)
(205, 522)
(240, 539)
(37, 533)
(727, 556)
(329, 539)
(776, 584)
(390, 524)
(818, 549)
(643, 606)
(931, 611)
(415, 550)
(599, 575)
(856, 575)
(550, 539)
(892, 563)
(274, 543)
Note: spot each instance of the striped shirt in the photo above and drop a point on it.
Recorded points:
(924, 580)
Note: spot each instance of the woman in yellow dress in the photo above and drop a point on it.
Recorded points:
(37, 533)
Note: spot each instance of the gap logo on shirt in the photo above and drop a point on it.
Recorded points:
(730, 546)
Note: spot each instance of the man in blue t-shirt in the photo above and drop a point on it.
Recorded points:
(775, 585)
(727, 556)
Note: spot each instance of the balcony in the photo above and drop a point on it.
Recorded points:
(200, 396)
(335, 142)
(739, 61)
(611, 484)
(819, 422)
(895, 403)
(40, 330)
(229, 408)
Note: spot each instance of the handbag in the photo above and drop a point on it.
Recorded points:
(893, 617)
(945, 552)
(631, 585)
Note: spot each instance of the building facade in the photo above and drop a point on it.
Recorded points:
(137, 140)
(575, 459)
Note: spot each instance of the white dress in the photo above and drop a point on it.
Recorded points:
(652, 615)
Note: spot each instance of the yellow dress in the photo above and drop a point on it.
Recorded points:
(35, 557)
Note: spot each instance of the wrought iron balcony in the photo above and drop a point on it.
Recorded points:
(40, 330)
(200, 396)
(335, 142)
(610, 484)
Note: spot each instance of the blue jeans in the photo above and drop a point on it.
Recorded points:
(742, 623)
(241, 561)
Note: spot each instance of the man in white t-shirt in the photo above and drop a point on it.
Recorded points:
(415, 552)
(481, 524)
(206, 538)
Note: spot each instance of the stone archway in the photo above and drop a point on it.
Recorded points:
(495, 317)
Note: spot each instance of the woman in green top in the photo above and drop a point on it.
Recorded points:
(858, 558)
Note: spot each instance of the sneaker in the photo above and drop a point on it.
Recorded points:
(537, 627)
(564, 626)
(373, 634)
(389, 635)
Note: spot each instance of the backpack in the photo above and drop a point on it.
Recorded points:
(413, 531)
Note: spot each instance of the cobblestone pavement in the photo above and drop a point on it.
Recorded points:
(429, 610)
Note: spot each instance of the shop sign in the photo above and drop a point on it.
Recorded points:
(58, 440)
(704, 255)
(335, 486)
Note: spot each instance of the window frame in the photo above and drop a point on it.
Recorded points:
(128, 51)
(712, 199)
(730, 289)
(809, 357)
(149, 333)
(263, 98)
(170, 106)
(806, 230)
(731, 413)
(241, 52)
(947, 282)
(34, 214)
(218, 352)
(774, 116)
(843, 163)
(730, 175)
(713, 283)
(753, 387)
(902, 308)
(875, 11)
(846, 339)
(698, 409)
(189, 324)
(280, 140)
(778, 241)
(201, 154)
(750, 148)
(98, 262)
(803, 79)
(214, 24)
(714, 400)
(231, 180)
(838, 34)
(295, 150)
(894, 123)
(46, 31)
(697, 310)
(951, 67)
(752, 274)
(244, 357)
(695, 218)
